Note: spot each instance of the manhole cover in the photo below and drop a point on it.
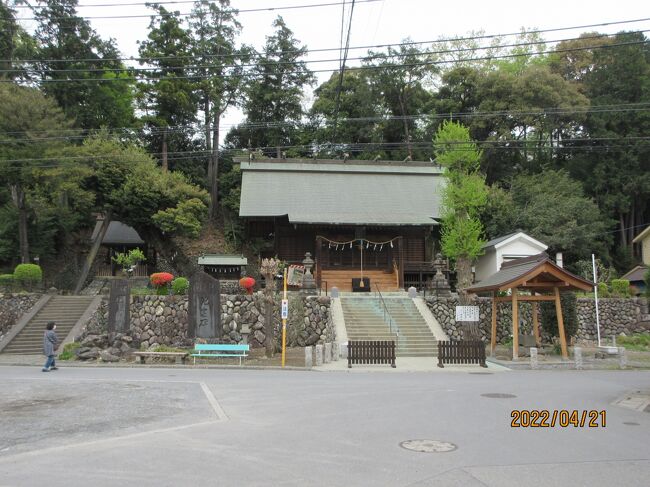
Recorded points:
(498, 395)
(481, 373)
(631, 423)
(428, 446)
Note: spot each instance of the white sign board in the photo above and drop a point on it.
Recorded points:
(467, 313)
(285, 309)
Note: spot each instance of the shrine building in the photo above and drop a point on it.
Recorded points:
(370, 220)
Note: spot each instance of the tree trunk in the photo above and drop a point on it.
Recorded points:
(407, 135)
(621, 220)
(18, 197)
(464, 280)
(213, 174)
(165, 166)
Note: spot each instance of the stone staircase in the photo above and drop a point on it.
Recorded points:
(342, 279)
(364, 320)
(65, 311)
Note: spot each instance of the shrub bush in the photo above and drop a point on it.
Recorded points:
(568, 302)
(180, 285)
(620, 288)
(28, 275)
(603, 290)
(6, 282)
(69, 351)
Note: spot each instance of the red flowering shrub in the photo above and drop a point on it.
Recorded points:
(247, 283)
(160, 279)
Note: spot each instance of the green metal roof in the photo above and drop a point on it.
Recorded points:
(217, 259)
(338, 193)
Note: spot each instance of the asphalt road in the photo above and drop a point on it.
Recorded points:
(160, 427)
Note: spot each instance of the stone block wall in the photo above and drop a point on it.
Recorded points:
(163, 320)
(13, 307)
(617, 316)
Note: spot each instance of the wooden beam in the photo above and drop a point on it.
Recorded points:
(515, 325)
(493, 337)
(538, 338)
(546, 285)
(507, 299)
(560, 324)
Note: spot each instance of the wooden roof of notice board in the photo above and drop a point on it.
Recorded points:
(537, 272)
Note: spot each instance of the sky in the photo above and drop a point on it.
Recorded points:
(379, 22)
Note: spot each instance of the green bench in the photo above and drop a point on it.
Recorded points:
(209, 350)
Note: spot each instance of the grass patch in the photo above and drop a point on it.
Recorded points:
(141, 291)
(640, 342)
(69, 351)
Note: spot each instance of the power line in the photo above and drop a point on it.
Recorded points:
(306, 61)
(175, 14)
(356, 68)
(363, 146)
(548, 111)
(375, 46)
(342, 69)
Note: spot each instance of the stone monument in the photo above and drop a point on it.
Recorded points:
(119, 301)
(204, 307)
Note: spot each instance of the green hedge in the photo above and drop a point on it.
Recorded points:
(6, 282)
(180, 285)
(620, 288)
(603, 290)
(28, 275)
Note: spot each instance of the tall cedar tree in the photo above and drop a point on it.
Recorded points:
(214, 29)
(168, 97)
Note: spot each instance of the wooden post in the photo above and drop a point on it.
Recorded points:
(493, 336)
(538, 338)
(515, 325)
(560, 324)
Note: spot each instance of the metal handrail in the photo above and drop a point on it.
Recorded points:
(387, 313)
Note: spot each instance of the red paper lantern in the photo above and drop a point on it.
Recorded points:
(247, 283)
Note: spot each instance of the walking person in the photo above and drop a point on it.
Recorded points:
(49, 346)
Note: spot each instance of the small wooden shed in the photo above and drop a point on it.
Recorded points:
(534, 279)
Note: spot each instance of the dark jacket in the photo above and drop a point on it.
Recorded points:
(49, 342)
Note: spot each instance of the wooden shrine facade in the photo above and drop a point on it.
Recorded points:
(533, 279)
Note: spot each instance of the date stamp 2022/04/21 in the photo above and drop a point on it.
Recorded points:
(564, 418)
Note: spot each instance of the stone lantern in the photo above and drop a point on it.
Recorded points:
(308, 281)
(440, 284)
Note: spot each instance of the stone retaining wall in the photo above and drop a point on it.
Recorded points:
(163, 320)
(13, 307)
(617, 317)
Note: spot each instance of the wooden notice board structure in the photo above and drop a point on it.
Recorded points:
(532, 279)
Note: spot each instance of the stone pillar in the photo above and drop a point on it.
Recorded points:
(319, 355)
(119, 307)
(327, 358)
(334, 292)
(308, 281)
(534, 364)
(413, 293)
(577, 355)
(335, 351)
(622, 358)
(309, 361)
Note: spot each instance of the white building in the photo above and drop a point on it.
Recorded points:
(504, 249)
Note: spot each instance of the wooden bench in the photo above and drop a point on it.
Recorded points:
(179, 357)
(209, 350)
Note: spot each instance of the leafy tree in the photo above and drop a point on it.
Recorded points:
(551, 207)
(129, 260)
(356, 101)
(15, 43)
(398, 78)
(168, 97)
(464, 197)
(615, 169)
(71, 53)
(28, 120)
(274, 93)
